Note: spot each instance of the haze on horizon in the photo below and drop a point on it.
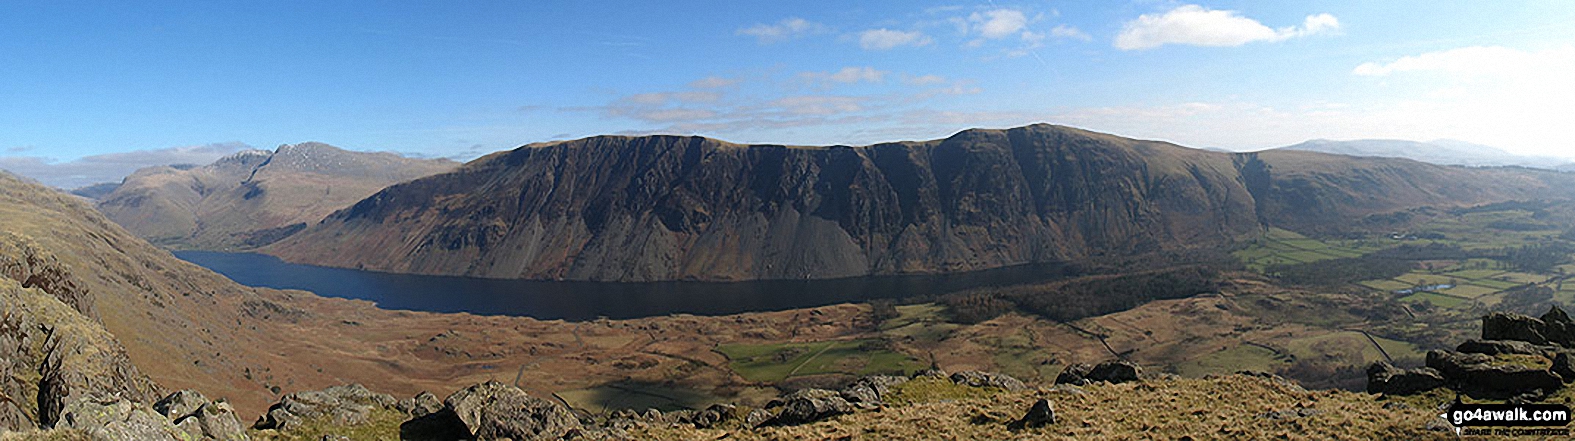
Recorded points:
(93, 89)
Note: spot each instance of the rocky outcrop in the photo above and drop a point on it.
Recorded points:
(1479, 376)
(493, 410)
(1500, 366)
(254, 197)
(29, 264)
(54, 356)
(342, 405)
(105, 418)
(808, 406)
(1111, 371)
(1553, 328)
(201, 419)
(988, 379)
(1385, 378)
(421, 405)
(1498, 347)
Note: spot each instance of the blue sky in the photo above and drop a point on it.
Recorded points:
(90, 88)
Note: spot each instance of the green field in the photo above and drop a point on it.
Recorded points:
(1282, 247)
(1239, 358)
(1386, 285)
(777, 362)
(1468, 291)
(1436, 299)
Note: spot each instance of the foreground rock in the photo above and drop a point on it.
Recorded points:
(1553, 328)
(988, 379)
(808, 406)
(340, 405)
(493, 410)
(1385, 378)
(113, 419)
(1478, 376)
(1041, 414)
(1112, 371)
(200, 419)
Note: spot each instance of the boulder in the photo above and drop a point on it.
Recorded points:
(200, 418)
(1041, 414)
(421, 405)
(104, 418)
(988, 379)
(714, 415)
(1475, 375)
(1553, 328)
(860, 394)
(1076, 374)
(1115, 371)
(1564, 366)
(1498, 347)
(871, 389)
(1385, 378)
(758, 417)
(342, 405)
(810, 405)
(494, 410)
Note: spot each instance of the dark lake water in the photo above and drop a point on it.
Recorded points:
(589, 300)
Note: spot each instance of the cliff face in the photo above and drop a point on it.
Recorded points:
(664, 207)
(254, 197)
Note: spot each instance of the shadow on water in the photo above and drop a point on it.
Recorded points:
(577, 301)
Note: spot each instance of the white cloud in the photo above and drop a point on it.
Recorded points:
(884, 39)
(848, 75)
(111, 167)
(998, 23)
(1071, 32)
(1470, 61)
(789, 28)
(1198, 26)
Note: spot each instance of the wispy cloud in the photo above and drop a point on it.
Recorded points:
(886, 39)
(713, 82)
(847, 75)
(1070, 32)
(1198, 26)
(787, 29)
(111, 167)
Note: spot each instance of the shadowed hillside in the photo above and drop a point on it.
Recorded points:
(667, 207)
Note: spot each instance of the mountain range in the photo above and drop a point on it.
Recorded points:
(617, 208)
(253, 197)
(1442, 152)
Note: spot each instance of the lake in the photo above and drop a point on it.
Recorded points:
(578, 301)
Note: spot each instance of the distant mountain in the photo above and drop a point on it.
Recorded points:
(1442, 152)
(253, 197)
(96, 191)
(669, 207)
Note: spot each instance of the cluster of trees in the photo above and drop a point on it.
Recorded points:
(1538, 258)
(1340, 271)
(1087, 297)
